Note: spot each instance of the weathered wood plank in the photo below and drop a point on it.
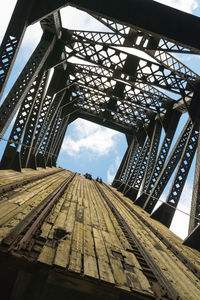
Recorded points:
(77, 239)
(47, 255)
(63, 253)
(75, 263)
(90, 266)
(99, 246)
(88, 243)
(118, 273)
(105, 272)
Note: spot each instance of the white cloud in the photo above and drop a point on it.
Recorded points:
(33, 33)
(73, 18)
(5, 15)
(113, 169)
(184, 5)
(181, 221)
(89, 137)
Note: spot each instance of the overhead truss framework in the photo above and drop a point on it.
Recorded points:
(99, 76)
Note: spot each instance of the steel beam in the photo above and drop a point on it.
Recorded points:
(169, 168)
(195, 204)
(183, 27)
(24, 81)
(12, 40)
(11, 158)
(29, 135)
(166, 211)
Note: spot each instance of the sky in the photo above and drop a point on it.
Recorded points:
(88, 147)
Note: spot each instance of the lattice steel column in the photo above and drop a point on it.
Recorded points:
(195, 205)
(127, 167)
(170, 123)
(12, 39)
(129, 189)
(52, 140)
(46, 130)
(166, 211)
(11, 158)
(31, 128)
(152, 154)
(24, 81)
(59, 83)
(59, 140)
(169, 168)
(124, 163)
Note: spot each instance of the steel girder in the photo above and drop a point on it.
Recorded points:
(195, 205)
(182, 28)
(31, 128)
(168, 168)
(25, 81)
(166, 212)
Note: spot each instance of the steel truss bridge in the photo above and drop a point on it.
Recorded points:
(106, 84)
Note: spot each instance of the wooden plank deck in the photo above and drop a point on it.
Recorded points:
(95, 246)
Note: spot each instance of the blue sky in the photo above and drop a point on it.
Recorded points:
(89, 147)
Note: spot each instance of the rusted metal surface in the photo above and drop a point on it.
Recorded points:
(11, 186)
(154, 268)
(169, 245)
(163, 262)
(35, 216)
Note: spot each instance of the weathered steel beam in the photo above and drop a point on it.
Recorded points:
(24, 81)
(183, 27)
(195, 204)
(168, 168)
(12, 39)
(166, 211)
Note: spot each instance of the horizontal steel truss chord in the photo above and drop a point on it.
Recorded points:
(24, 81)
(165, 212)
(139, 39)
(143, 71)
(168, 168)
(131, 94)
(132, 16)
(156, 95)
(167, 60)
(110, 108)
